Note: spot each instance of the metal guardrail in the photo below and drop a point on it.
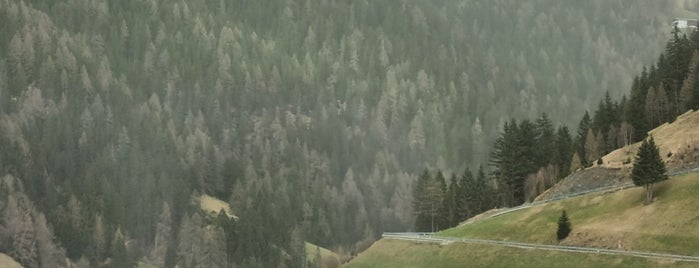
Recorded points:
(431, 238)
(611, 188)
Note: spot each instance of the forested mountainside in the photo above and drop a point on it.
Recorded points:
(311, 118)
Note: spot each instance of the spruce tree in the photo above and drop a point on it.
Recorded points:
(564, 227)
(450, 205)
(583, 126)
(648, 168)
(422, 218)
(465, 196)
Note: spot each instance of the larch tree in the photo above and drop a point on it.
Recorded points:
(591, 146)
(648, 169)
(21, 228)
(626, 134)
(163, 233)
(664, 111)
(98, 238)
(688, 86)
(575, 163)
(651, 107)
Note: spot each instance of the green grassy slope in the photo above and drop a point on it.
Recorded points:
(614, 220)
(607, 220)
(394, 253)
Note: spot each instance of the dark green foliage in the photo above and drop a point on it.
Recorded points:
(524, 148)
(428, 202)
(466, 200)
(124, 105)
(564, 226)
(513, 158)
(564, 151)
(462, 199)
(648, 167)
(583, 126)
(546, 143)
(450, 206)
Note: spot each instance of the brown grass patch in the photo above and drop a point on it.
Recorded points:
(7, 262)
(214, 205)
(681, 138)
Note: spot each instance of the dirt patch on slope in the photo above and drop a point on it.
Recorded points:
(679, 148)
(678, 143)
(587, 179)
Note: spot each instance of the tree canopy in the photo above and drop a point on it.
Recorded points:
(648, 167)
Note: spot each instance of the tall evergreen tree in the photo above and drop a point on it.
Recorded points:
(634, 112)
(545, 141)
(580, 139)
(564, 151)
(564, 227)
(514, 158)
(428, 198)
(485, 191)
(687, 91)
(450, 203)
(465, 195)
(648, 167)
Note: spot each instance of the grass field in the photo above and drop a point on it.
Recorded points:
(617, 220)
(399, 254)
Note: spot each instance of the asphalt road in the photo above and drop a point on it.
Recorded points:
(431, 238)
(597, 190)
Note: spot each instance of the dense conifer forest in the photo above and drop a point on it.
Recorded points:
(314, 120)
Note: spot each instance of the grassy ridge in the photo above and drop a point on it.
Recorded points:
(615, 220)
(394, 253)
(607, 220)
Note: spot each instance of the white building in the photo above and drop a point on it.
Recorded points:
(685, 23)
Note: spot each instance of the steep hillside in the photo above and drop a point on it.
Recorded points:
(402, 254)
(618, 220)
(310, 118)
(678, 142)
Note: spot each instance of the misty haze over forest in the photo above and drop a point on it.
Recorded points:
(312, 121)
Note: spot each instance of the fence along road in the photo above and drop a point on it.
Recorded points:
(431, 238)
(612, 188)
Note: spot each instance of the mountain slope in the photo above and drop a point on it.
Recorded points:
(303, 115)
(678, 142)
(396, 253)
(617, 221)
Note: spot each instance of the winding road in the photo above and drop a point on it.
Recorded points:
(431, 238)
(612, 188)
